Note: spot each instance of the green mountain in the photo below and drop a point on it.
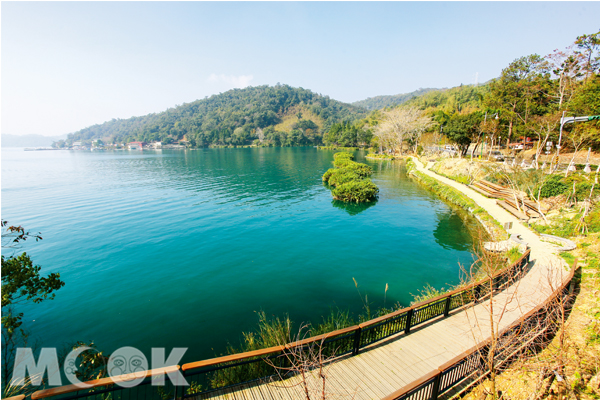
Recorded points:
(266, 115)
(460, 98)
(379, 102)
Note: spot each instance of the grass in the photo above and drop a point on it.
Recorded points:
(376, 156)
(337, 148)
(568, 257)
(564, 226)
(513, 254)
(454, 196)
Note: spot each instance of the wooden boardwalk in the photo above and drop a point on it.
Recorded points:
(383, 368)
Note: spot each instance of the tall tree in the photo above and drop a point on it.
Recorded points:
(520, 91)
(590, 45)
(462, 129)
(402, 124)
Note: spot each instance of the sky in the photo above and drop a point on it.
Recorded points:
(69, 65)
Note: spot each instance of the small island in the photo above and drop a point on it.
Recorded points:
(349, 180)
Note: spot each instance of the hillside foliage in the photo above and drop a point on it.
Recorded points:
(380, 102)
(236, 117)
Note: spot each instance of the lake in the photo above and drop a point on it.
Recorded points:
(182, 248)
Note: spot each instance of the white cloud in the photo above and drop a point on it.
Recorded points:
(240, 81)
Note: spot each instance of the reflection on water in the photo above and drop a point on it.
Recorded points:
(351, 207)
(450, 232)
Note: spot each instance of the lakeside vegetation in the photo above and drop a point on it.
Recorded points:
(349, 180)
(375, 156)
(492, 227)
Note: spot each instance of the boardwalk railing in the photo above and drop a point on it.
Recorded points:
(221, 372)
(530, 331)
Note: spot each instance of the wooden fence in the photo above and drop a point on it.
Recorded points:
(533, 329)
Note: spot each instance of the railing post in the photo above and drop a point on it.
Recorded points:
(180, 388)
(447, 308)
(476, 291)
(436, 386)
(409, 315)
(356, 347)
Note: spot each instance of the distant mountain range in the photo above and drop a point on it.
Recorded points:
(29, 140)
(379, 102)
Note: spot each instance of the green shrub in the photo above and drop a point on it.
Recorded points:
(328, 174)
(343, 156)
(341, 176)
(553, 186)
(419, 149)
(358, 191)
(340, 160)
(348, 179)
(362, 170)
(593, 220)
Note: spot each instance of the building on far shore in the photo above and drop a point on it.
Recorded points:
(136, 145)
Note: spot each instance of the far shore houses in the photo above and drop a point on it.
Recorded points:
(136, 145)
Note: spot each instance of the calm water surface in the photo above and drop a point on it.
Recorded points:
(181, 248)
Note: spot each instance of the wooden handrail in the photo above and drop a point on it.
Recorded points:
(321, 337)
(438, 371)
(40, 394)
(232, 357)
(18, 397)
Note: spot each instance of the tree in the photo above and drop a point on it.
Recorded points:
(21, 282)
(401, 124)
(461, 129)
(567, 66)
(589, 44)
(520, 90)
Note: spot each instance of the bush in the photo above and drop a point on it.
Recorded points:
(557, 184)
(343, 155)
(341, 176)
(362, 170)
(348, 179)
(357, 190)
(593, 220)
(554, 186)
(340, 160)
(328, 174)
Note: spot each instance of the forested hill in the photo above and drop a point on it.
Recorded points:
(379, 102)
(463, 98)
(267, 115)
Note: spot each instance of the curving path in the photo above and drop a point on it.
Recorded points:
(387, 366)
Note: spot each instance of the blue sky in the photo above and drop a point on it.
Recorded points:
(68, 65)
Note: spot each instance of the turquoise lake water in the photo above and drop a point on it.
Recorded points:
(181, 248)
